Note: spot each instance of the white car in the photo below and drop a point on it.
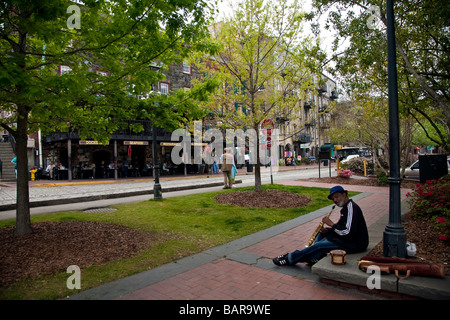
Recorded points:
(412, 172)
(352, 156)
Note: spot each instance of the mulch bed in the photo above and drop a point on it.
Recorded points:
(263, 199)
(54, 246)
(429, 248)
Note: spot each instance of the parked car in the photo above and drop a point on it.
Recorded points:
(412, 172)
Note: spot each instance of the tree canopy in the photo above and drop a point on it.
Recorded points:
(422, 43)
(264, 66)
(87, 65)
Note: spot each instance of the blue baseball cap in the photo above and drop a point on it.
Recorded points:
(336, 189)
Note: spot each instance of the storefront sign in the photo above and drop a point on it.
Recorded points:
(90, 142)
(135, 143)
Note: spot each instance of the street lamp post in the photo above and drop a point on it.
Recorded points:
(69, 154)
(394, 236)
(157, 187)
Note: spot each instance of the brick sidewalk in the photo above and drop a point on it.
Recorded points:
(250, 274)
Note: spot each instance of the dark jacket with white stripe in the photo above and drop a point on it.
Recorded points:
(350, 231)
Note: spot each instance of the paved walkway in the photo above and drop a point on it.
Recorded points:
(242, 269)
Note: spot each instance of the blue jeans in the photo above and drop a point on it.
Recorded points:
(314, 252)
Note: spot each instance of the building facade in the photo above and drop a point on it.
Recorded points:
(304, 136)
(130, 154)
(127, 154)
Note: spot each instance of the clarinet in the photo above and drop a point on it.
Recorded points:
(311, 240)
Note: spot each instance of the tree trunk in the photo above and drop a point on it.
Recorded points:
(23, 223)
(257, 164)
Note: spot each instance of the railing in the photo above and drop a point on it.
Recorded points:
(303, 138)
(121, 134)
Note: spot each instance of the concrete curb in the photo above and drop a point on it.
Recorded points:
(52, 202)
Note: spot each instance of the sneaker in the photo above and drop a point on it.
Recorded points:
(281, 260)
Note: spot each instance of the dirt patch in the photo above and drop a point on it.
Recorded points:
(54, 246)
(263, 199)
(429, 248)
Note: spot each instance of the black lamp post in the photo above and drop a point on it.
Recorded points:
(394, 236)
(157, 187)
(69, 153)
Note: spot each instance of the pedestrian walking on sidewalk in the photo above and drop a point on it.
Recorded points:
(349, 233)
(227, 166)
(14, 161)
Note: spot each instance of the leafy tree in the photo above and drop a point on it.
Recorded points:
(52, 51)
(365, 121)
(422, 43)
(264, 66)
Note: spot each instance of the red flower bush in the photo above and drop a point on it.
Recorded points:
(430, 201)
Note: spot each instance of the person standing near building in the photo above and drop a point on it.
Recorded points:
(227, 165)
(49, 170)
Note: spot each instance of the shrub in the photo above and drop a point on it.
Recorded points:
(306, 160)
(443, 226)
(344, 173)
(382, 177)
(430, 201)
(356, 165)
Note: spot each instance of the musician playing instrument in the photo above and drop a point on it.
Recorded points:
(349, 233)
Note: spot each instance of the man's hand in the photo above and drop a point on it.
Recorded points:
(324, 230)
(327, 221)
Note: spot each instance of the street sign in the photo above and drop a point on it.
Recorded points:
(267, 127)
(267, 124)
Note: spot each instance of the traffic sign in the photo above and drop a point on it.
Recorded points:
(267, 124)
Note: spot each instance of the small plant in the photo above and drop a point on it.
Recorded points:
(344, 173)
(382, 177)
(430, 201)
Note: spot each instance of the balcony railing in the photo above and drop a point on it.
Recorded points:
(126, 133)
(302, 138)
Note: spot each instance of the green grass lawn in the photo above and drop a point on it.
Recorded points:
(185, 225)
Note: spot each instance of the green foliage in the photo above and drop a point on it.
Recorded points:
(261, 60)
(382, 177)
(430, 201)
(91, 76)
(431, 198)
(422, 43)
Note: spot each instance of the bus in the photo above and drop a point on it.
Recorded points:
(343, 152)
